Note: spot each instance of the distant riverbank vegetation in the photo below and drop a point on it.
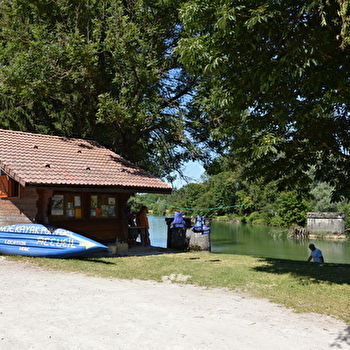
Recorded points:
(225, 196)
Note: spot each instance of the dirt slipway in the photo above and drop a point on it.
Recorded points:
(41, 309)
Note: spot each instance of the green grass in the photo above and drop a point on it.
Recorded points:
(302, 286)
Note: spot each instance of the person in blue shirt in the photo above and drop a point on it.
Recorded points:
(316, 254)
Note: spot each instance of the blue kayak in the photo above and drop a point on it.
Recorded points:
(45, 241)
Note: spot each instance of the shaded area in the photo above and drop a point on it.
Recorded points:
(139, 250)
(327, 272)
(100, 261)
(342, 339)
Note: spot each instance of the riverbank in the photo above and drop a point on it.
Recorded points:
(46, 309)
(329, 236)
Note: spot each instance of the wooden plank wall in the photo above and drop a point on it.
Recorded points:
(19, 210)
(33, 205)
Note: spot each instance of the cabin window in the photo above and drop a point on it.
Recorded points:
(67, 206)
(82, 206)
(102, 206)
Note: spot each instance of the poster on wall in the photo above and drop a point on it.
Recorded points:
(57, 204)
(70, 210)
(108, 210)
(94, 202)
(93, 206)
(111, 210)
(77, 201)
(78, 213)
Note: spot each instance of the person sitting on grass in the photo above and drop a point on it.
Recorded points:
(316, 254)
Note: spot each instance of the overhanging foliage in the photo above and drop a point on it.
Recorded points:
(274, 85)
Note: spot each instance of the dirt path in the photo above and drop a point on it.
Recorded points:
(42, 309)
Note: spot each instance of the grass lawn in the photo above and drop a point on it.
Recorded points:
(305, 287)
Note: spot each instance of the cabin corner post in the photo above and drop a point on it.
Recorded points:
(123, 224)
(43, 206)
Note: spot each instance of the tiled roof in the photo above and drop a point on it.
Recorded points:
(43, 160)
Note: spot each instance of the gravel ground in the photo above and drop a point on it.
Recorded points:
(43, 310)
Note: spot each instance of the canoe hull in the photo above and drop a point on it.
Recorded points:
(45, 241)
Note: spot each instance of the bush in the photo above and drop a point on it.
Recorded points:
(276, 221)
(254, 217)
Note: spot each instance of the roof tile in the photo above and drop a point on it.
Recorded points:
(36, 159)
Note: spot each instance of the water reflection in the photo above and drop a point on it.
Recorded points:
(257, 240)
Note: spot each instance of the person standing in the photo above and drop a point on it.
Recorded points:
(316, 254)
(142, 222)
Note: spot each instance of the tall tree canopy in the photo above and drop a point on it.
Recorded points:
(97, 69)
(274, 88)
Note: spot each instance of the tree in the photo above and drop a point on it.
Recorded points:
(273, 86)
(321, 195)
(97, 69)
(224, 192)
(192, 198)
(292, 209)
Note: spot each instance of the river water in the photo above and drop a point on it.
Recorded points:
(256, 240)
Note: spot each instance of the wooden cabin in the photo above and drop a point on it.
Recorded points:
(71, 183)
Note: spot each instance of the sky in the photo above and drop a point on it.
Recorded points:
(193, 170)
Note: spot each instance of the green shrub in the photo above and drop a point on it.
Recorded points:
(253, 217)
